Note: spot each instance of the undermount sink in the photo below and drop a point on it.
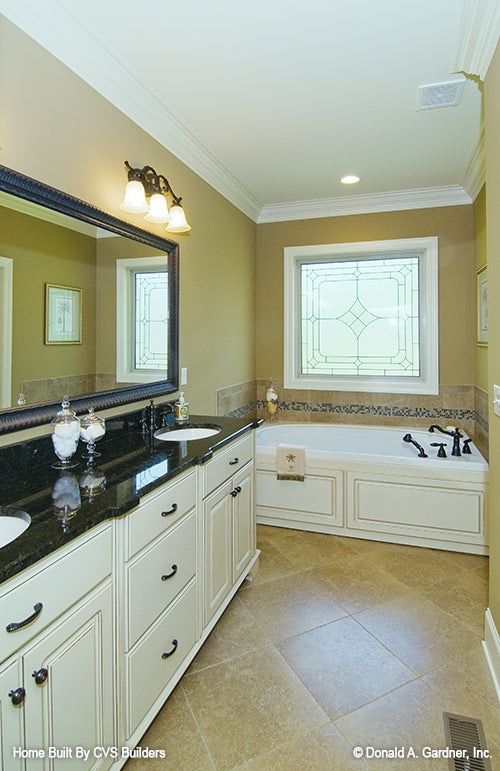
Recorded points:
(185, 434)
(13, 522)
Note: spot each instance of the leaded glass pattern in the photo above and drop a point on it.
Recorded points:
(151, 320)
(361, 317)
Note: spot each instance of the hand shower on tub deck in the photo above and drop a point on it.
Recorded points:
(411, 440)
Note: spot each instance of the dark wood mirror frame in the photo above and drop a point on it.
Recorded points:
(18, 418)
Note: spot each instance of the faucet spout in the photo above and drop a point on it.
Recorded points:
(455, 434)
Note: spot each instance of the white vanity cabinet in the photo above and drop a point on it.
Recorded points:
(159, 598)
(57, 676)
(228, 522)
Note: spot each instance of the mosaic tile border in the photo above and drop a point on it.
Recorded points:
(378, 410)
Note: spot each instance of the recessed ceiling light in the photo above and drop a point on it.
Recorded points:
(349, 179)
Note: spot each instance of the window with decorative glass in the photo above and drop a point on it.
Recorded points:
(142, 319)
(362, 316)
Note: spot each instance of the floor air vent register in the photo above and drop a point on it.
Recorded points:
(466, 734)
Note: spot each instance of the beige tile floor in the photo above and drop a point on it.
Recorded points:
(337, 643)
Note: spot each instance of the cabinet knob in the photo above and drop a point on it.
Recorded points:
(171, 574)
(234, 493)
(19, 624)
(170, 653)
(18, 696)
(238, 489)
(40, 675)
(170, 511)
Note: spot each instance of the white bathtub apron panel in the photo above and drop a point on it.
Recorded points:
(382, 491)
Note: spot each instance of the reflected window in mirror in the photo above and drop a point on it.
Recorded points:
(142, 329)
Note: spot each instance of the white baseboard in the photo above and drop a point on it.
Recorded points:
(491, 647)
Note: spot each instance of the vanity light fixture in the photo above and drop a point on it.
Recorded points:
(146, 183)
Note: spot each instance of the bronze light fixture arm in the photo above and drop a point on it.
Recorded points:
(147, 183)
(152, 181)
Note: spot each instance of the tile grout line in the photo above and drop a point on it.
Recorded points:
(197, 725)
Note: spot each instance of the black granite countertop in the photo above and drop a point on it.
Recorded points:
(133, 465)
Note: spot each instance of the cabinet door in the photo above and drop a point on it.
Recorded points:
(11, 718)
(69, 703)
(243, 522)
(218, 572)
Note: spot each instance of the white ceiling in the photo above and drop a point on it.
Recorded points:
(273, 101)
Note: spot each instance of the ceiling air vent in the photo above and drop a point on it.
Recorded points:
(440, 94)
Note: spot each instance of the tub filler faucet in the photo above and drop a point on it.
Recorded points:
(455, 434)
(411, 440)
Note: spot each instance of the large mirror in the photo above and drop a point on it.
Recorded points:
(88, 306)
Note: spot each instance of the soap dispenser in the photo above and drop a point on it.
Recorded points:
(181, 409)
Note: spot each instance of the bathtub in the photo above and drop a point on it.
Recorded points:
(366, 482)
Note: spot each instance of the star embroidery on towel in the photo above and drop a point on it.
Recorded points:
(290, 458)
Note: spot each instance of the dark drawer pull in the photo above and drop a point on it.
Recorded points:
(234, 462)
(234, 493)
(170, 653)
(170, 575)
(17, 696)
(19, 624)
(40, 675)
(171, 511)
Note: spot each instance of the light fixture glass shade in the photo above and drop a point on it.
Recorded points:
(158, 209)
(178, 222)
(135, 198)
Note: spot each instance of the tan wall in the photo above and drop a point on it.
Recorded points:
(57, 129)
(42, 253)
(479, 220)
(492, 126)
(452, 225)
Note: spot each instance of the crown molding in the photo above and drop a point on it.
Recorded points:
(397, 200)
(478, 38)
(49, 27)
(116, 84)
(475, 170)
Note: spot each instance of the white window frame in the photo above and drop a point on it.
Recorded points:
(428, 380)
(125, 318)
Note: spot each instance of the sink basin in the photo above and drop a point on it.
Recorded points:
(185, 434)
(13, 522)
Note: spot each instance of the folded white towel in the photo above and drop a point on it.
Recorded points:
(290, 462)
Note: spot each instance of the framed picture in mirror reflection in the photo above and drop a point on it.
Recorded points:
(63, 315)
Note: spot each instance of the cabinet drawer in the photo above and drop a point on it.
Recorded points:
(147, 671)
(226, 462)
(160, 511)
(158, 575)
(59, 584)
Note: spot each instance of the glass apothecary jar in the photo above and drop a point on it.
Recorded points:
(65, 436)
(92, 428)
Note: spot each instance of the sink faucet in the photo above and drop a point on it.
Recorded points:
(455, 434)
